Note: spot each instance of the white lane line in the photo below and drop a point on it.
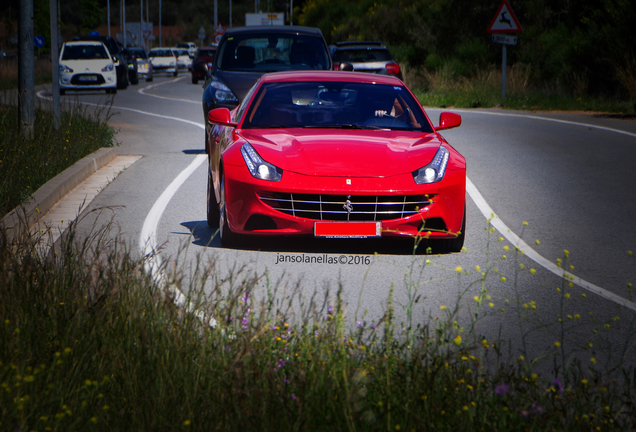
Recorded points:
(513, 238)
(148, 237)
(619, 131)
(143, 92)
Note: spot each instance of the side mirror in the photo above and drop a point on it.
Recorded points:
(448, 120)
(221, 116)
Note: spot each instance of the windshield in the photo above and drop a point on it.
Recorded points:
(273, 52)
(343, 105)
(139, 54)
(161, 53)
(85, 52)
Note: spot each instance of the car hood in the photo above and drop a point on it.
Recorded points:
(82, 66)
(328, 152)
(161, 60)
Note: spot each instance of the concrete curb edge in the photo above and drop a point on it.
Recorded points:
(50, 193)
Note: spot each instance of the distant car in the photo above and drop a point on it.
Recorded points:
(86, 65)
(114, 48)
(334, 155)
(183, 58)
(372, 57)
(133, 68)
(246, 53)
(202, 63)
(191, 47)
(163, 60)
(144, 67)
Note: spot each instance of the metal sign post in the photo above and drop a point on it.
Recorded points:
(201, 35)
(504, 21)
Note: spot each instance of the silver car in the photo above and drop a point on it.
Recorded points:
(371, 57)
(143, 63)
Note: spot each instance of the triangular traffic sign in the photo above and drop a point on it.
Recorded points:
(505, 20)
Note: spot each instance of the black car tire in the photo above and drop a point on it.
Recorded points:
(451, 245)
(135, 81)
(176, 72)
(214, 215)
(195, 80)
(123, 84)
(150, 78)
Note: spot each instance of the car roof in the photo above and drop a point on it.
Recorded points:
(83, 42)
(313, 75)
(274, 29)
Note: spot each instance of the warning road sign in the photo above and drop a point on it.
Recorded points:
(505, 20)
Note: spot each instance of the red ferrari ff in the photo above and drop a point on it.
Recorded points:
(336, 155)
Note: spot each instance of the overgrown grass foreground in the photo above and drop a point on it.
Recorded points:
(26, 164)
(89, 342)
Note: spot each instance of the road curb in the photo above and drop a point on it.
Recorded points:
(50, 193)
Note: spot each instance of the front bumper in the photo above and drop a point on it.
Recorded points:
(252, 210)
(88, 81)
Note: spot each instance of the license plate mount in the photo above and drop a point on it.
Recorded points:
(335, 229)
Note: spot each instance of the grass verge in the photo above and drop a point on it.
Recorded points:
(27, 164)
(88, 341)
(9, 73)
(444, 88)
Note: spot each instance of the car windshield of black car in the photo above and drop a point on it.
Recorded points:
(274, 52)
(335, 105)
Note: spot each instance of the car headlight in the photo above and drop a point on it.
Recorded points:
(258, 167)
(108, 68)
(222, 93)
(64, 68)
(434, 171)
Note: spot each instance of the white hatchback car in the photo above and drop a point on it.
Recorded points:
(86, 65)
(163, 60)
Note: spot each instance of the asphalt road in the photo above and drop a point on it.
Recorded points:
(570, 177)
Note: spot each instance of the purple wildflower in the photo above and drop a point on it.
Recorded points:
(293, 396)
(559, 386)
(359, 324)
(502, 389)
(536, 409)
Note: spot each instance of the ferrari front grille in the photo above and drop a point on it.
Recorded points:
(347, 207)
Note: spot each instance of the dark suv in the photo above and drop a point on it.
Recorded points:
(115, 52)
(372, 57)
(246, 53)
